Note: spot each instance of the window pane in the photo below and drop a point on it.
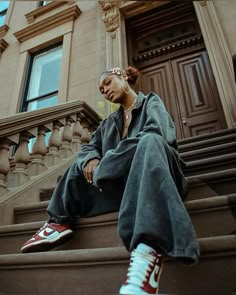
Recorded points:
(2, 19)
(42, 3)
(42, 103)
(45, 73)
(4, 5)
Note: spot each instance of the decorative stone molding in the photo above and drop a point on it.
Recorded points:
(3, 30)
(69, 14)
(31, 16)
(3, 46)
(220, 58)
(110, 15)
(193, 41)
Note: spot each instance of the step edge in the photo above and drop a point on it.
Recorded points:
(208, 246)
(216, 148)
(211, 203)
(215, 159)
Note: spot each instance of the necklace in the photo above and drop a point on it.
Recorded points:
(126, 112)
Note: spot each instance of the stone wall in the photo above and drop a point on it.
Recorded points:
(226, 11)
(84, 58)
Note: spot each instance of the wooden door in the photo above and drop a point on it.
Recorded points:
(187, 86)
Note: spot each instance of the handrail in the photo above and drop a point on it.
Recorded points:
(69, 124)
(27, 120)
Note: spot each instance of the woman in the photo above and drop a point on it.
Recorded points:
(132, 165)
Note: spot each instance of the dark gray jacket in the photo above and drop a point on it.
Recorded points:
(149, 115)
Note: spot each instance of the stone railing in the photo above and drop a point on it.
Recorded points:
(52, 134)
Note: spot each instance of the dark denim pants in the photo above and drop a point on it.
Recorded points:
(146, 185)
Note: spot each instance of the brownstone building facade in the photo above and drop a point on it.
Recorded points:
(51, 56)
(183, 49)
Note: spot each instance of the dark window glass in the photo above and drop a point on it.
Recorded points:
(42, 3)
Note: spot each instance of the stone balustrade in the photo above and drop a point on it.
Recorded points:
(31, 142)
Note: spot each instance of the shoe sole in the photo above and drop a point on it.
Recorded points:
(47, 245)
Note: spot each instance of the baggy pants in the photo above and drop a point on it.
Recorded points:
(145, 184)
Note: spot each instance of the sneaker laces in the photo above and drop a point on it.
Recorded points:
(42, 228)
(141, 265)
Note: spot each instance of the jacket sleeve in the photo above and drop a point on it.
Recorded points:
(91, 150)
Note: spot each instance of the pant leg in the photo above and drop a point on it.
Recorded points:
(74, 196)
(152, 207)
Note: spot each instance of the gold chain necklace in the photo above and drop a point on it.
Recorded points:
(126, 112)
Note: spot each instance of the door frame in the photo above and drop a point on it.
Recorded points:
(215, 42)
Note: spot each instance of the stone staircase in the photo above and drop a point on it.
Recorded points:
(94, 261)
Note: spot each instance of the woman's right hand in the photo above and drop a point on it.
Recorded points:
(89, 169)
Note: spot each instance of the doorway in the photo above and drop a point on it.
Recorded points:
(166, 45)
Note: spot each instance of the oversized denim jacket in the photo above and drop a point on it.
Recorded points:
(148, 116)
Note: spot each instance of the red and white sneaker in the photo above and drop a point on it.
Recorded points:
(143, 273)
(47, 237)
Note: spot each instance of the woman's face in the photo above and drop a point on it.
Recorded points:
(111, 88)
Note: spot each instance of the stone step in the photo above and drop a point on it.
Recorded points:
(195, 145)
(211, 184)
(208, 152)
(213, 216)
(212, 164)
(200, 186)
(209, 139)
(103, 270)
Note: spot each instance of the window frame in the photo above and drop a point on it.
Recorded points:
(24, 101)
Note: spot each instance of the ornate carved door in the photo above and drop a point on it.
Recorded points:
(187, 87)
(166, 45)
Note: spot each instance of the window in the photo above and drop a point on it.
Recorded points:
(43, 79)
(42, 3)
(3, 11)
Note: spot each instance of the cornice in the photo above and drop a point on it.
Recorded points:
(168, 49)
(3, 46)
(31, 16)
(3, 30)
(69, 14)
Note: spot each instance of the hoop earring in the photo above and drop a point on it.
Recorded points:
(127, 92)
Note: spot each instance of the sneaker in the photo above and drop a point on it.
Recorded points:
(143, 272)
(47, 237)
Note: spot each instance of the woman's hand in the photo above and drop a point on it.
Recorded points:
(89, 169)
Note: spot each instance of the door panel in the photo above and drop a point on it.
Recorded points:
(199, 102)
(159, 79)
(187, 87)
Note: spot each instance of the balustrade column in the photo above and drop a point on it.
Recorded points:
(66, 149)
(54, 143)
(85, 137)
(4, 165)
(22, 158)
(37, 165)
(76, 136)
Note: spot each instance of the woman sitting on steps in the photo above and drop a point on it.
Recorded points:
(131, 165)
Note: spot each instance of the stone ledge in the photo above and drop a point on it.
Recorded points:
(69, 14)
(31, 16)
(3, 46)
(3, 30)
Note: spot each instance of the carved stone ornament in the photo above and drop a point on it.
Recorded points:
(110, 15)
